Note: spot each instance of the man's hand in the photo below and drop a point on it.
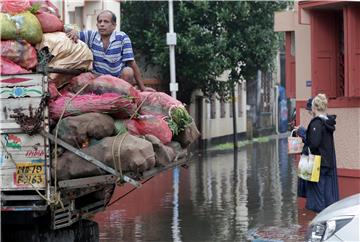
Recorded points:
(149, 89)
(73, 35)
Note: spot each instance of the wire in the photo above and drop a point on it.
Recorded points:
(121, 197)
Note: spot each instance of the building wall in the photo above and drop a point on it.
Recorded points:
(303, 63)
(218, 127)
(83, 13)
(287, 21)
(347, 135)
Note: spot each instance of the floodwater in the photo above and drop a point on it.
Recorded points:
(221, 196)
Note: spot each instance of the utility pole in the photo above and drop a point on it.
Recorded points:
(233, 100)
(171, 42)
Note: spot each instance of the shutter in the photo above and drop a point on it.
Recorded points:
(352, 48)
(324, 50)
(289, 67)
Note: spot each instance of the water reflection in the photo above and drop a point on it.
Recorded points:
(220, 197)
(175, 227)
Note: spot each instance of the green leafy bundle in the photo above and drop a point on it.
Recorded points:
(179, 119)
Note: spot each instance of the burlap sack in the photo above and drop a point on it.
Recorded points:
(67, 55)
(188, 136)
(180, 152)
(78, 130)
(163, 154)
(137, 155)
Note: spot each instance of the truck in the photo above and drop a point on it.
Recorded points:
(28, 191)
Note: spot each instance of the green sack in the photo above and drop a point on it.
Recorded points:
(7, 27)
(21, 26)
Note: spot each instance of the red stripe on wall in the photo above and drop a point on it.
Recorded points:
(353, 173)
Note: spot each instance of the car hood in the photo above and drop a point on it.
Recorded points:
(344, 207)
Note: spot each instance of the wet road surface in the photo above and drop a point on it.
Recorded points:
(222, 196)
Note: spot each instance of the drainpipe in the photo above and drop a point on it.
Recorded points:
(258, 99)
(277, 109)
(171, 42)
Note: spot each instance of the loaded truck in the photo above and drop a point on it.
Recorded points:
(56, 178)
(29, 191)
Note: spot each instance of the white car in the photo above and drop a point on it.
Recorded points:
(338, 222)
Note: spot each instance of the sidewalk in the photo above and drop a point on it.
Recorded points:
(227, 147)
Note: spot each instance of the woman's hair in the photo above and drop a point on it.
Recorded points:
(320, 102)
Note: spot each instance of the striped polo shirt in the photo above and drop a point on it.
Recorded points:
(112, 60)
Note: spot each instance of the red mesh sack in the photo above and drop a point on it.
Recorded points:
(149, 124)
(157, 103)
(83, 78)
(14, 6)
(80, 104)
(8, 67)
(20, 52)
(105, 84)
(49, 22)
(46, 7)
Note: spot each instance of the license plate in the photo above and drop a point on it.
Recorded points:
(27, 173)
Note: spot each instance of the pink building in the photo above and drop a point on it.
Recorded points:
(322, 52)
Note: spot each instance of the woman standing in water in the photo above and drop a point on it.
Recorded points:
(320, 140)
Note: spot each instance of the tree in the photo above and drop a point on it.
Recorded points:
(212, 36)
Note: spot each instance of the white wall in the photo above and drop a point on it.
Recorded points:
(218, 127)
(83, 13)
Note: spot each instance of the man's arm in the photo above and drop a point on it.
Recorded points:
(137, 74)
(73, 35)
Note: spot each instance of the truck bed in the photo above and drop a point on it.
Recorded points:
(27, 189)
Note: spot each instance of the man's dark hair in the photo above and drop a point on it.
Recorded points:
(113, 16)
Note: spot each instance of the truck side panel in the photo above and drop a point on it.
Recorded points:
(24, 159)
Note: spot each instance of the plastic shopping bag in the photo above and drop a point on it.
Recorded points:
(295, 144)
(309, 167)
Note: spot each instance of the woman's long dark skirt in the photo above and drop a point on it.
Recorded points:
(320, 194)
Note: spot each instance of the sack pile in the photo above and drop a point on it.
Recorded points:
(30, 25)
(128, 130)
(104, 116)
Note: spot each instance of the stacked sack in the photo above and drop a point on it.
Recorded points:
(30, 25)
(21, 25)
(127, 129)
(104, 116)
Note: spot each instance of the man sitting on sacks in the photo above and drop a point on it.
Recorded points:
(112, 50)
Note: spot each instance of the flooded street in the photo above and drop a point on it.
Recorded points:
(220, 197)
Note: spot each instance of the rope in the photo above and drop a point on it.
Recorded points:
(170, 109)
(116, 153)
(117, 156)
(56, 137)
(122, 196)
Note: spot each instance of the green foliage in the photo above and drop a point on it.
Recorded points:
(179, 119)
(212, 36)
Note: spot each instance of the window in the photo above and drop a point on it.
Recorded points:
(222, 109)
(212, 108)
(352, 50)
(335, 56)
(239, 98)
(290, 64)
(325, 49)
(231, 113)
